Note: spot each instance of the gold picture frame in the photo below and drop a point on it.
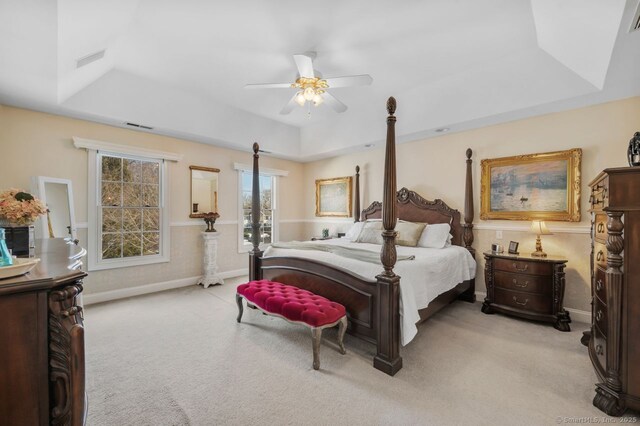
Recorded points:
(333, 197)
(542, 186)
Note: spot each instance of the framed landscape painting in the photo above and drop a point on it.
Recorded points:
(535, 186)
(333, 197)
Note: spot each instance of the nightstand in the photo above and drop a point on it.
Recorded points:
(526, 287)
(320, 238)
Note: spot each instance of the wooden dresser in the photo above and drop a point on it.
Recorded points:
(614, 344)
(42, 377)
(527, 287)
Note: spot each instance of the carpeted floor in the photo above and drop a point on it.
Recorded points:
(179, 358)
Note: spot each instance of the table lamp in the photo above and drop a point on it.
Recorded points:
(538, 227)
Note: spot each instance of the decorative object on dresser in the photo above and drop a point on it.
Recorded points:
(333, 197)
(497, 248)
(21, 240)
(373, 305)
(614, 342)
(210, 260)
(513, 247)
(633, 152)
(535, 186)
(19, 208)
(42, 339)
(204, 191)
(538, 227)
(526, 287)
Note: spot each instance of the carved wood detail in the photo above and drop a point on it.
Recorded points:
(615, 245)
(66, 352)
(467, 233)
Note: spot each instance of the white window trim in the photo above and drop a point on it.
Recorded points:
(275, 227)
(93, 245)
(263, 171)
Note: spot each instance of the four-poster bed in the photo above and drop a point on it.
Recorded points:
(373, 305)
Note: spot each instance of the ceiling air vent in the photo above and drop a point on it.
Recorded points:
(635, 25)
(86, 60)
(139, 126)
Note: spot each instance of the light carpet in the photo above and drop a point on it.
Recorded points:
(179, 358)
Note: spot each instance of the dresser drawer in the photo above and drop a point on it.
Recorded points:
(600, 315)
(523, 267)
(599, 195)
(522, 282)
(538, 303)
(600, 227)
(600, 254)
(599, 287)
(600, 347)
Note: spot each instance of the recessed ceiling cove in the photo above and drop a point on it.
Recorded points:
(181, 67)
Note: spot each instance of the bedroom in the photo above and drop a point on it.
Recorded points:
(503, 78)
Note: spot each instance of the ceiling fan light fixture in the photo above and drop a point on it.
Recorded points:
(300, 100)
(309, 93)
(318, 99)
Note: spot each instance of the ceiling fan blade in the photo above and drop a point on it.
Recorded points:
(335, 104)
(289, 106)
(305, 65)
(268, 86)
(351, 80)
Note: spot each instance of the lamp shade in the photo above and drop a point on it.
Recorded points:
(538, 227)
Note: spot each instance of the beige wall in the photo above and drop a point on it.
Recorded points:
(33, 143)
(435, 168)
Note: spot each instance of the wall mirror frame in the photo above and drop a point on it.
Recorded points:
(57, 195)
(203, 198)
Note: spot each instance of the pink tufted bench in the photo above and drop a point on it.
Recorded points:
(297, 306)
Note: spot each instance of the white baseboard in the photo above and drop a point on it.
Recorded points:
(105, 296)
(577, 315)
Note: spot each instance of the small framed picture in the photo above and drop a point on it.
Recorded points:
(513, 247)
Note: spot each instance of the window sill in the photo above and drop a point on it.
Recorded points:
(116, 264)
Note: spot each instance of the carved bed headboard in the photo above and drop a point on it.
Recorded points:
(413, 208)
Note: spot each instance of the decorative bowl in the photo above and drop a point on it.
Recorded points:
(19, 267)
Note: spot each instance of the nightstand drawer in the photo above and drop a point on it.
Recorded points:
(600, 315)
(538, 303)
(522, 282)
(600, 347)
(600, 227)
(523, 267)
(600, 254)
(599, 287)
(599, 198)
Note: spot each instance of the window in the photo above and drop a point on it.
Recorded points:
(268, 224)
(129, 213)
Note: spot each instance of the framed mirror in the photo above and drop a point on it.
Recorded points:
(57, 195)
(204, 191)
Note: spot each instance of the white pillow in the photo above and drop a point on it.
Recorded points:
(435, 235)
(354, 231)
(371, 233)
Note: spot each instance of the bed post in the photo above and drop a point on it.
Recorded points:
(356, 202)
(255, 255)
(467, 228)
(467, 233)
(387, 357)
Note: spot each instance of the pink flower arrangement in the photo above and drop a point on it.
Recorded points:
(19, 207)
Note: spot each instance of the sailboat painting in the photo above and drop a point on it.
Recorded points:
(532, 186)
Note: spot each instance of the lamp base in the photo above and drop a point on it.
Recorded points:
(539, 254)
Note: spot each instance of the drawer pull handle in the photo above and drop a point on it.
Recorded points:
(600, 256)
(599, 316)
(515, 299)
(521, 285)
(599, 285)
(515, 265)
(600, 227)
(599, 350)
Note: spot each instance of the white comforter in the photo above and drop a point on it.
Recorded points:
(433, 272)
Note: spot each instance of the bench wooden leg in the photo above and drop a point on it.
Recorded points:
(316, 334)
(240, 309)
(342, 329)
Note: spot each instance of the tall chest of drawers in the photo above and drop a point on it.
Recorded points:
(614, 345)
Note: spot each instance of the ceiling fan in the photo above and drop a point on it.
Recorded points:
(311, 87)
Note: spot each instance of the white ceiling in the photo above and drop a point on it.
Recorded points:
(180, 66)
